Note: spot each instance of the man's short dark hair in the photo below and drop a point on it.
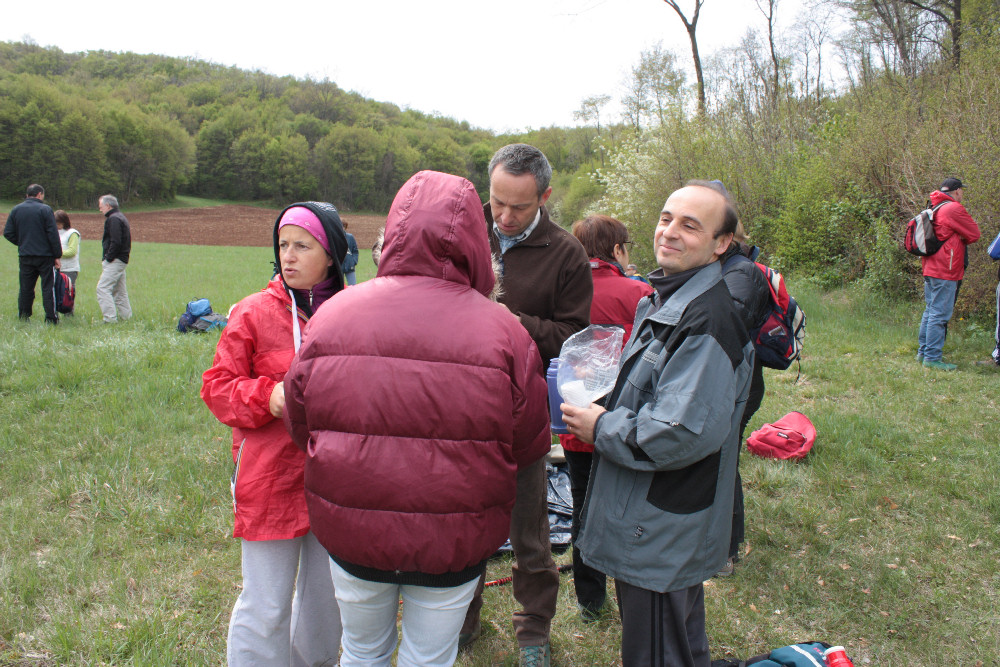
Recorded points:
(729, 219)
(35, 189)
(517, 159)
(109, 200)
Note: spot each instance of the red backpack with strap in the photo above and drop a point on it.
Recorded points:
(791, 437)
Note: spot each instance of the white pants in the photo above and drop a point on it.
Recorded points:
(112, 294)
(271, 627)
(432, 619)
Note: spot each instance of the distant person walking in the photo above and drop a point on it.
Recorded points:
(351, 260)
(70, 240)
(944, 270)
(116, 244)
(31, 226)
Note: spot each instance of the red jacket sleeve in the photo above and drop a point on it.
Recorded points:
(231, 389)
(962, 224)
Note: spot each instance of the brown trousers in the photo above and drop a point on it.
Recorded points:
(535, 577)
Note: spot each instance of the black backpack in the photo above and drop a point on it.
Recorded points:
(65, 292)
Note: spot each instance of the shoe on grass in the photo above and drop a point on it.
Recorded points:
(535, 656)
(466, 638)
(937, 364)
(590, 613)
(920, 358)
(727, 569)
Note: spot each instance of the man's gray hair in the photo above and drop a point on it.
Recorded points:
(109, 200)
(517, 159)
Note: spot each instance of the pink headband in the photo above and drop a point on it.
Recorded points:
(307, 220)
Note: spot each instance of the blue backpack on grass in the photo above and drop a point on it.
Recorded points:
(198, 317)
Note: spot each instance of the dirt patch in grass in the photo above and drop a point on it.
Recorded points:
(215, 225)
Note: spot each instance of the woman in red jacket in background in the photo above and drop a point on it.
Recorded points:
(243, 388)
(615, 299)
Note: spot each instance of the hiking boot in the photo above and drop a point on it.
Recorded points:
(939, 365)
(535, 656)
(466, 638)
(727, 569)
(589, 613)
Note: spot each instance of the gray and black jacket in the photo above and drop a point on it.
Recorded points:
(660, 504)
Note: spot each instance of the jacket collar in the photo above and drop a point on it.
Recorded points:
(671, 311)
(539, 237)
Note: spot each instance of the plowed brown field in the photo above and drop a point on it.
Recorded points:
(215, 225)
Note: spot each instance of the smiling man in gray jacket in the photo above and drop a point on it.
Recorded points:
(658, 513)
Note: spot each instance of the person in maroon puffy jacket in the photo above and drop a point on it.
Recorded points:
(615, 299)
(417, 401)
(943, 271)
(286, 613)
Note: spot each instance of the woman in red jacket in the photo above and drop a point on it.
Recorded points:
(615, 299)
(287, 612)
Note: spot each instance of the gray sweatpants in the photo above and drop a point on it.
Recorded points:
(287, 613)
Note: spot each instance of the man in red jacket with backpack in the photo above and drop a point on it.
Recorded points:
(944, 270)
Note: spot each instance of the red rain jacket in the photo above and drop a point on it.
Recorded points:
(252, 357)
(954, 226)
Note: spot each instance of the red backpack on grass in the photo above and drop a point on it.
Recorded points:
(791, 437)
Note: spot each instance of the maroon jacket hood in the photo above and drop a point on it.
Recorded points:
(436, 229)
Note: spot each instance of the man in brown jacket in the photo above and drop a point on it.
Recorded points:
(547, 284)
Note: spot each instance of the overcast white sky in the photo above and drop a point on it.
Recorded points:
(502, 65)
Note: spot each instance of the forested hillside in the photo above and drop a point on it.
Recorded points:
(148, 127)
(829, 134)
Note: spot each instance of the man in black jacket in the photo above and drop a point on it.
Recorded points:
(112, 294)
(31, 226)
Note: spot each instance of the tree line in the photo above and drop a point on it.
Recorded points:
(149, 127)
(825, 169)
(825, 172)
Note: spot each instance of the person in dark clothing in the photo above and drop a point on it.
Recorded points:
(751, 296)
(547, 285)
(607, 243)
(351, 260)
(116, 244)
(31, 226)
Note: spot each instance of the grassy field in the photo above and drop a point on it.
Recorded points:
(115, 514)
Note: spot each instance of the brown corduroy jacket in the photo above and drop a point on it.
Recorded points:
(547, 282)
